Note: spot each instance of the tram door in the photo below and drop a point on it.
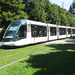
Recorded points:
(32, 34)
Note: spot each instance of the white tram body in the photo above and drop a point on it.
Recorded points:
(62, 32)
(23, 32)
(52, 32)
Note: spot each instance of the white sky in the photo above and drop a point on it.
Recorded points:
(66, 3)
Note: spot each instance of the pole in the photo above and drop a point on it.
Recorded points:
(62, 4)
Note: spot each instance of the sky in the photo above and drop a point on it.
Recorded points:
(66, 3)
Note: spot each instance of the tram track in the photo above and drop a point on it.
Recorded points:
(18, 52)
(26, 57)
(7, 49)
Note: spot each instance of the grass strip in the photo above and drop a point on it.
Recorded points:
(8, 54)
(22, 59)
(42, 49)
(58, 60)
(13, 58)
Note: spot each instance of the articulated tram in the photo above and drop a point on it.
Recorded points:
(23, 32)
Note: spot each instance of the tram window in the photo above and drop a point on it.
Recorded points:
(69, 31)
(33, 31)
(52, 31)
(62, 31)
(73, 31)
(44, 31)
(22, 32)
(38, 31)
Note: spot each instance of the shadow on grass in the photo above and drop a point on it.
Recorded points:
(61, 62)
(7, 47)
(1, 47)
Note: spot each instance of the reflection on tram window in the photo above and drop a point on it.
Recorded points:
(52, 31)
(62, 31)
(21, 32)
(73, 31)
(11, 32)
(38, 31)
(69, 31)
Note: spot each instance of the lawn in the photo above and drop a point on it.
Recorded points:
(55, 60)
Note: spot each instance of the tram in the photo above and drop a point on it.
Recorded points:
(24, 32)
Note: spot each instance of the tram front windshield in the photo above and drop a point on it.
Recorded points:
(11, 30)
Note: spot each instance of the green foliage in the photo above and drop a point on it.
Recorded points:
(46, 12)
(12, 10)
(71, 20)
(63, 19)
(48, 60)
(37, 10)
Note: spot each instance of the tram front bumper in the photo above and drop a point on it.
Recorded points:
(7, 43)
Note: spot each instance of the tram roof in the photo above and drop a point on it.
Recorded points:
(35, 23)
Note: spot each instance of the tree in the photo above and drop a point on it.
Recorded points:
(12, 10)
(48, 10)
(0, 17)
(71, 20)
(54, 14)
(73, 7)
(36, 11)
(63, 19)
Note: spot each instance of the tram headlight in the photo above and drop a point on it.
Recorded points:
(13, 41)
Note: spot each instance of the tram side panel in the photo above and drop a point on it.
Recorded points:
(37, 32)
(47, 33)
(57, 32)
(66, 32)
(71, 32)
(28, 39)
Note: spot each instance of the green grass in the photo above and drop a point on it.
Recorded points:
(58, 60)
(18, 54)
